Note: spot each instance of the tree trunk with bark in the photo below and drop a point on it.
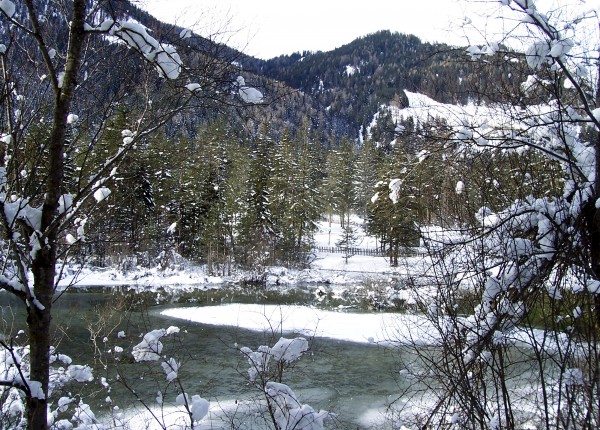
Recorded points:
(39, 314)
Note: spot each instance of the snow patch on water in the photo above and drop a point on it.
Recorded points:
(369, 328)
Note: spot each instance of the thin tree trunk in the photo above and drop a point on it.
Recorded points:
(593, 220)
(38, 323)
(39, 316)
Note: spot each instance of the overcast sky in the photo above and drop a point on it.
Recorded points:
(268, 28)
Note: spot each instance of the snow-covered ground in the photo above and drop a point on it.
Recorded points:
(326, 268)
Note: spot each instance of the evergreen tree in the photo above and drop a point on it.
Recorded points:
(338, 184)
(129, 213)
(370, 155)
(348, 241)
(258, 232)
(237, 160)
(392, 213)
(304, 205)
(215, 236)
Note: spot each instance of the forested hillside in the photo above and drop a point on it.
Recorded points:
(350, 83)
(244, 183)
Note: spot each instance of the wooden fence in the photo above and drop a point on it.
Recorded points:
(350, 251)
(405, 252)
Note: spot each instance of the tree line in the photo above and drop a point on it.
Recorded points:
(223, 198)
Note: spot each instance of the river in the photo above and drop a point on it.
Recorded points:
(355, 381)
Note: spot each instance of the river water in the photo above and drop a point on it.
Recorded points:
(355, 381)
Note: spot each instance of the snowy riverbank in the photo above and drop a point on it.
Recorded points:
(325, 268)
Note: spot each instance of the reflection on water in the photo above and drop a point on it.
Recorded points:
(351, 380)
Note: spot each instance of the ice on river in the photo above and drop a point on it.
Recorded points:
(376, 328)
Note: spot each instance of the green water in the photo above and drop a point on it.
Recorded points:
(348, 379)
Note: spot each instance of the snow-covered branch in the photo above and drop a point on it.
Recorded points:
(165, 57)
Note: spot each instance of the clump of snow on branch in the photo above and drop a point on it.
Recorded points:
(186, 33)
(171, 366)
(476, 52)
(285, 351)
(172, 330)
(561, 47)
(460, 187)
(101, 194)
(197, 406)
(258, 360)
(172, 228)
(395, 186)
(150, 348)
(248, 94)
(532, 82)
(7, 7)
(127, 136)
(193, 87)
(289, 412)
(65, 203)
(80, 373)
(537, 54)
(289, 350)
(85, 417)
(20, 210)
(35, 388)
(164, 56)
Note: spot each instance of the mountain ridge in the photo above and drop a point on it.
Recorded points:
(349, 84)
(341, 90)
(338, 91)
